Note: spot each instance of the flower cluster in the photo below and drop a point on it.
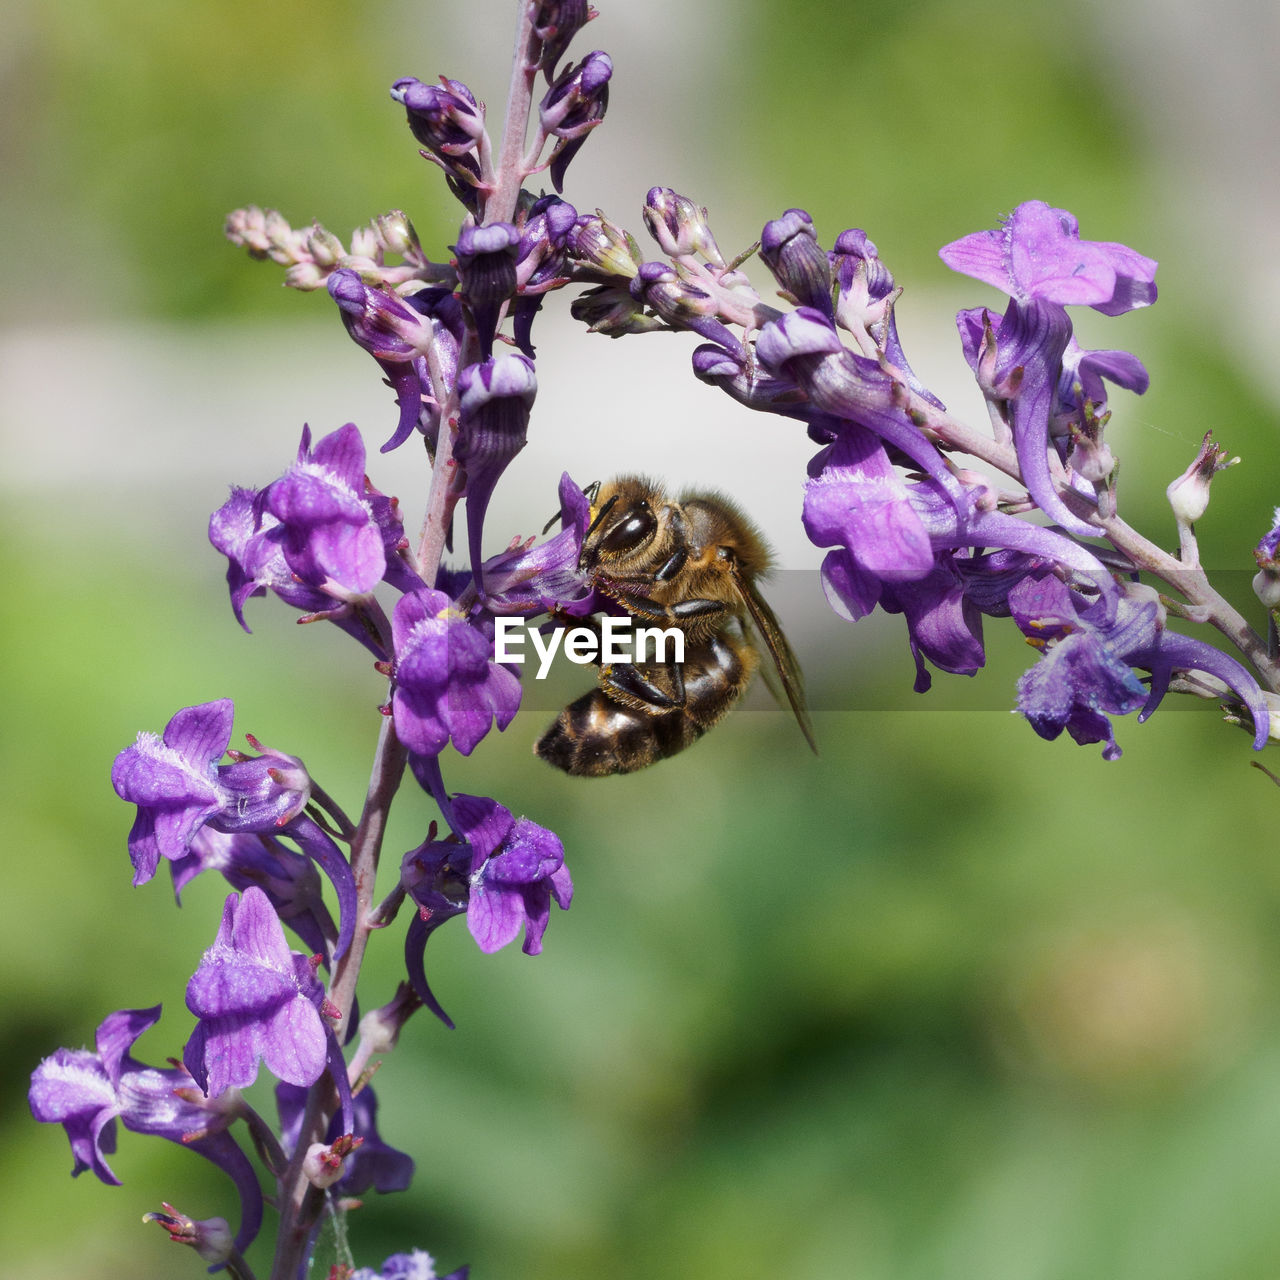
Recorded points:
(905, 527)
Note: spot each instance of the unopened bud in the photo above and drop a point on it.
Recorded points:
(679, 226)
(1189, 493)
(326, 249)
(212, 1239)
(597, 242)
(1266, 583)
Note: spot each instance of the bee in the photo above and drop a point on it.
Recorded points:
(692, 564)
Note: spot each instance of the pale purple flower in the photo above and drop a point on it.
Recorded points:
(255, 999)
(448, 688)
(447, 120)
(1037, 257)
(789, 248)
(180, 788)
(416, 1265)
(1085, 673)
(86, 1092)
(174, 782)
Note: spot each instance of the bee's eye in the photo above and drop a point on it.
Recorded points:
(628, 534)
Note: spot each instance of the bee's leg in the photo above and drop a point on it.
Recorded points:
(630, 686)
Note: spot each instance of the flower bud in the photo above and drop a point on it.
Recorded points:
(325, 248)
(790, 249)
(679, 226)
(599, 243)
(576, 102)
(555, 23)
(613, 312)
(1266, 583)
(1189, 493)
(211, 1238)
(486, 262)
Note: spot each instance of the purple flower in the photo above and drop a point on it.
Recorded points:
(180, 788)
(173, 781)
(789, 248)
(486, 258)
(517, 867)
(1085, 674)
(906, 548)
(327, 529)
(495, 399)
(1037, 257)
(542, 263)
(504, 877)
(447, 686)
(1037, 253)
(447, 120)
(539, 578)
(573, 106)
(289, 879)
(408, 1266)
(1266, 582)
(255, 998)
(86, 1092)
(804, 348)
(555, 23)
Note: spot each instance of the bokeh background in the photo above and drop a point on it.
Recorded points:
(948, 1001)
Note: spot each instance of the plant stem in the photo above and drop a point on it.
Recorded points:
(300, 1202)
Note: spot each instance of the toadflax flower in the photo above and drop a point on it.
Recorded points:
(86, 1092)
(1037, 257)
(448, 689)
(327, 531)
(256, 999)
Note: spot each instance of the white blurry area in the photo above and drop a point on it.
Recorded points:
(147, 425)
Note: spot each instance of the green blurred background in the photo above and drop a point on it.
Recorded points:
(946, 1002)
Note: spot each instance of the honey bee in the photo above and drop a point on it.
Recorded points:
(691, 564)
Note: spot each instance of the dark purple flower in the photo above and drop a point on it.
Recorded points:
(789, 248)
(397, 336)
(327, 529)
(449, 123)
(255, 998)
(486, 261)
(447, 686)
(372, 1164)
(495, 399)
(86, 1092)
(174, 782)
(1038, 259)
(542, 264)
(555, 23)
(573, 106)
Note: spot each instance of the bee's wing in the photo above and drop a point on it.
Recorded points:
(784, 660)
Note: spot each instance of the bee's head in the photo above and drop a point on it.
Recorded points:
(625, 517)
